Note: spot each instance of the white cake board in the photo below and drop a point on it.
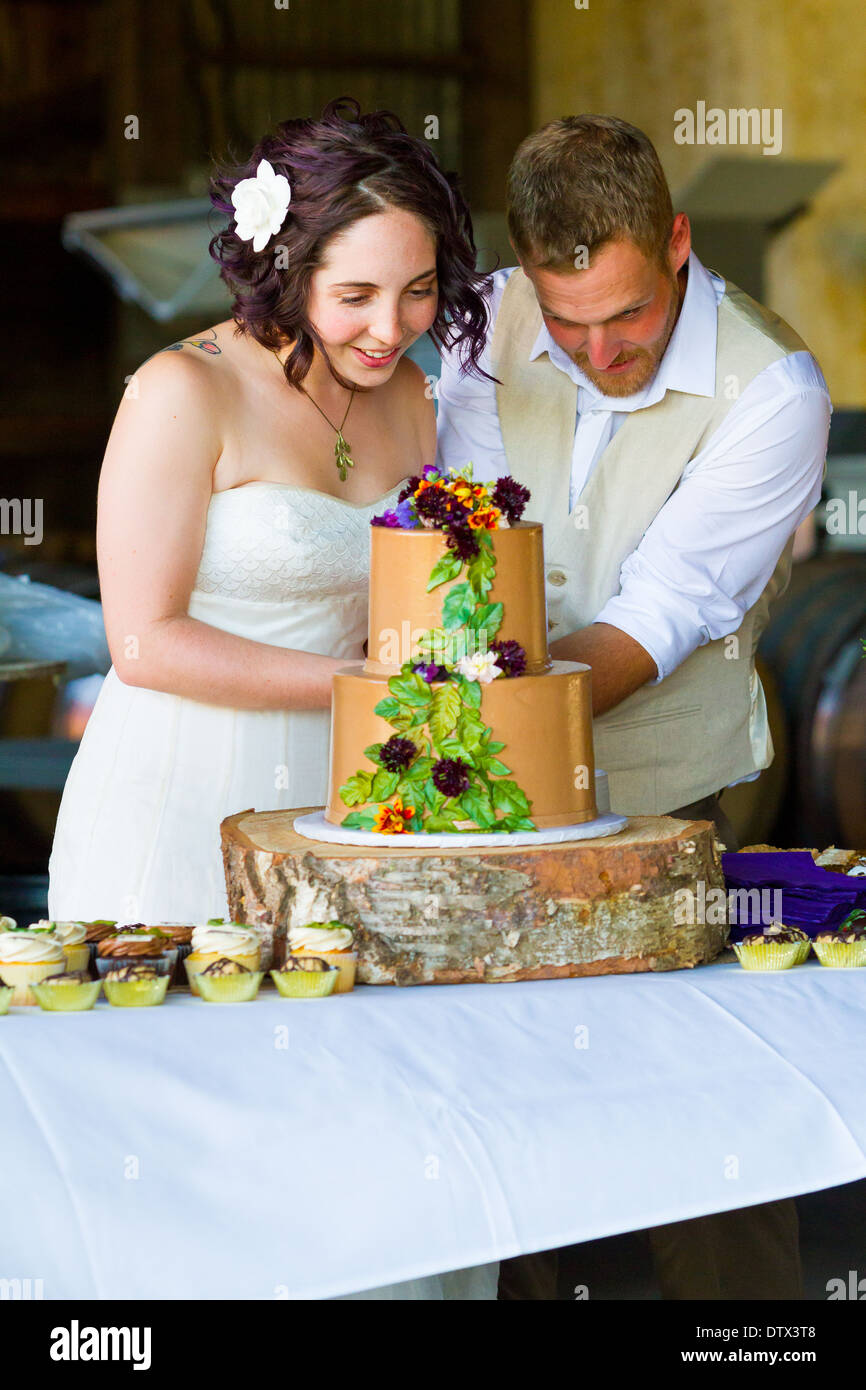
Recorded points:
(315, 827)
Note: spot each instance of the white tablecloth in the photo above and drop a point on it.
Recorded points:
(310, 1149)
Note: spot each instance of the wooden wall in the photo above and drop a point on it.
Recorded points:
(642, 61)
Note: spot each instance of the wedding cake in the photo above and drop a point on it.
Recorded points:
(459, 720)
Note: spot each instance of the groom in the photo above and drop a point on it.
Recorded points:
(672, 433)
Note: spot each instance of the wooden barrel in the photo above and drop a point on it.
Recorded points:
(813, 648)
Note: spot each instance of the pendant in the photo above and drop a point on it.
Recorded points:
(341, 456)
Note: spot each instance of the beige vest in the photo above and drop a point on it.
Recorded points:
(705, 725)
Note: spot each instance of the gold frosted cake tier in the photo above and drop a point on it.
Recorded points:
(545, 722)
(401, 609)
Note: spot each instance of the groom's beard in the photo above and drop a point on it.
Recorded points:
(646, 365)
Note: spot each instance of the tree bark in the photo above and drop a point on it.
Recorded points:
(437, 916)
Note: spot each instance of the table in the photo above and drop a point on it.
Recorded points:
(308, 1149)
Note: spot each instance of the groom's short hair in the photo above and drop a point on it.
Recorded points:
(582, 181)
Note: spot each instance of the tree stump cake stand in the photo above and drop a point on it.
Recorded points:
(441, 916)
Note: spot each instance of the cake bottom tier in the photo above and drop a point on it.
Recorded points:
(544, 721)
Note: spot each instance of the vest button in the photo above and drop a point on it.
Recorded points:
(556, 577)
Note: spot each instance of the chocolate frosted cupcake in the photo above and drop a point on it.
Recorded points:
(94, 932)
(70, 992)
(777, 947)
(136, 945)
(228, 981)
(180, 935)
(844, 947)
(306, 977)
(134, 985)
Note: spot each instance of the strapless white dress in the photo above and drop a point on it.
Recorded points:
(137, 836)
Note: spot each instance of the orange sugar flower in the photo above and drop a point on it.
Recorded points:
(391, 817)
(485, 519)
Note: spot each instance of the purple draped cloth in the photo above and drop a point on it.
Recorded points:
(805, 895)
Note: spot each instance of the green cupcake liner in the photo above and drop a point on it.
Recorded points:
(841, 955)
(6, 992)
(67, 999)
(769, 955)
(229, 989)
(305, 984)
(133, 994)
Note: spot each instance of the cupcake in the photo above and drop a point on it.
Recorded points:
(94, 932)
(331, 942)
(777, 947)
(212, 943)
(28, 958)
(136, 945)
(227, 981)
(844, 946)
(263, 932)
(180, 935)
(134, 986)
(69, 992)
(306, 977)
(72, 937)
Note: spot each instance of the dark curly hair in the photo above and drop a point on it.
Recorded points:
(341, 168)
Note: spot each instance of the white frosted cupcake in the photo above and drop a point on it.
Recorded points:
(215, 943)
(72, 937)
(331, 942)
(28, 958)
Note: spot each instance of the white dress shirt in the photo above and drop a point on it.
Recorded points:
(709, 553)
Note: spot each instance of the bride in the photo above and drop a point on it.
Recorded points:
(241, 474)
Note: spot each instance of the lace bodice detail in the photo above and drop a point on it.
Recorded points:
(274, 542)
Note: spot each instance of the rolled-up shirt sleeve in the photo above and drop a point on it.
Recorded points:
(709, 553)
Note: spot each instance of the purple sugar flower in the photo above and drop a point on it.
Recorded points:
(510, 497)
(429, 472)
(409, 488)
(462, 541)
(406, 516)
(510, 656)
(434, 506)
(386, 519)
(430, 672)
(450, 776)
(397, 753)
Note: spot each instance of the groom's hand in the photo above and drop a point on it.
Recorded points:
(620, 665)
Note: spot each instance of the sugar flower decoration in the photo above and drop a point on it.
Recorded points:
(480, 666)
(260, 205)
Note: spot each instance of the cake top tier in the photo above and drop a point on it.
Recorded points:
(455, 574)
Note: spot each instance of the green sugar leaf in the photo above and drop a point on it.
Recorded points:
(459, 604)
(477, 804)
(487, 618)
(448, 566)
(453, 748)
(356, 789)
(359, 820)
(471, 692)
(418, 772)
(372, 751)
(388, 708)
(410, 689)
(384, 785)
(444, 710)
(508, 797)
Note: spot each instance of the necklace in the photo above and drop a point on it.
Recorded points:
(341, 447)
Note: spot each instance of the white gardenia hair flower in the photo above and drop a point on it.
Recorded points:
(260, 205)
(480, 666)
